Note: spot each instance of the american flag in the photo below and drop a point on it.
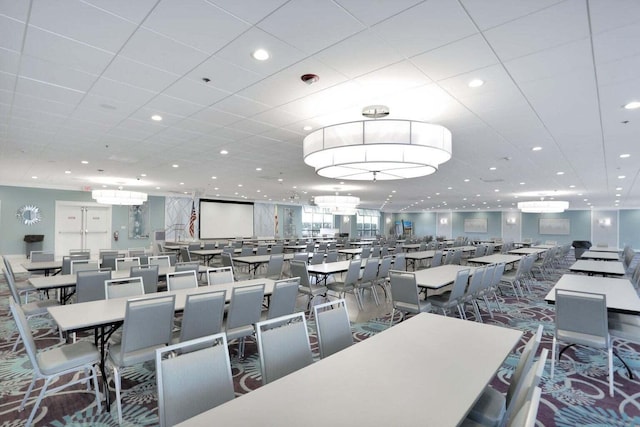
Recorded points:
(192, 219)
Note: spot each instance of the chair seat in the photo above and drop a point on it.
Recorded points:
(410, 308)
(38, 307)
(61, 359)
(131, 358)
(583, 339)
(625, 326)
(340, 287)
(314, 290)
(440, 299)
(490, 408)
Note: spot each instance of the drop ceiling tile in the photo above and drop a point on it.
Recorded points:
(330, 24)
(39, 104)
(363, 10)
(11, 32)
(55, 74)
(604, 17)
(9, 61)
(167, 104)
(239, 51)
(61, 50)
(196, 126)
(195, 23)
(224, 75)
(330, 100)
(278, 117)
(82, 22)
(550, 27)
(166, 54)
(425, 27)
(392, 80)
(497, 83)
(251, 11)
(122, 92)
(15, 9)
(138, 74)
(616, 72)
(617, 44)
(7, 83)
(48, 91)
(462, 56)
(217, 117)
(98, 116)
(197, 92)
(241, 106)
(135, 11)
(488, 14)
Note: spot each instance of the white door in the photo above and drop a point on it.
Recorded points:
(82, 226)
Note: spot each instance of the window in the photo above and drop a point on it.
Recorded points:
(368, 222)
(314, 219)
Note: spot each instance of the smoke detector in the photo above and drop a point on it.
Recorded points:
(309, 78)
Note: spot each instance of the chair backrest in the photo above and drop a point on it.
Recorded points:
(497, 274)
(475, 284)
(190, 383)
(246, 251)
(182, 280)
(317, 258)
(107, 252)
(187, 266)
(185, 255)
(125, 264)
(375, 252)
(90, 285)
(582, 316)
(283, 298)
(311, 247)
(80, 252)
(83, 265)
(459, 284)
(148, 323)
(404, 290)
(149, 275)
(262, 250)
(400, 262)
(481, 250)
(299, 269)
(203, 315)
(124, 287)
(40, 256)
(437, 259)
(66, 262)
(274, 267)
(333, 326)
(385, 266)
(353, 272)
(12, 286)
(25, 333)
(209, 246)
(160, 260)
(524, 364)
(332, 256)
(301, 256)
(135, 252)
(194, 246)
(366, 251)
(172, 257)
(370, 272)
(108, 260)
(526, 416)
(219, 276)
(246, 306)
(277, 249)
(529, 383)
(487, 279)
(283, 344)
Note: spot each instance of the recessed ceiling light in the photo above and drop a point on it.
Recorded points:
(280, 179)
(560, 173)
(618, 188)
(143, 174)
(307, 128)
(496, 190)
(224, 152)
(175, 166)
(34, 177)
(258, 191)
(625, 156)
(393, 191)
(621, 177)
(449, 188)
(522, 183)
(84, 162)
(157, 188)
(182, 183)
(104, 185)
(214, 177)
(67, 172)
(536, 148)
(492, 168)
(572, 186)
(618, 195)
(156, 118)
(476, 83)
(632, 105)
(467, 180)
(258, 169)
(239, 185)
(260, 55)
(216, 188)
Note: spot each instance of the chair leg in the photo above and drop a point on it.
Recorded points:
(554, 344)
(117, 382)
(27, 394)
(610, 357)
(38, 400)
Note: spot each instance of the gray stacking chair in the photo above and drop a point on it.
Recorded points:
(41, 256)
(160, 260)
(274, 267)
(333, 326)
(437, 259)
(400, 262)
(581, 318)
(80, 252)
(203, 315)
(299, 269)
(317, 258)
(32, 309)
(22, 288)
(277, 249)
(283, 298)
(244, 311)
(283, 344)
(262, 250)
(185, 255)
(125, 264)
(56, 363)
(404, 294)
(449, 300)
(366, 251)
(187, 266)
(349, 283)
(83, 265)
(90, 285)
(191, 382)
(368, 279)
(109, 261)
(66, 262)
(332, 256)
(492, 407)
(219, 276)
(182, 280)
(527, 414)
(149, 275)
(173, 257)
(126, 287)
(148, 323)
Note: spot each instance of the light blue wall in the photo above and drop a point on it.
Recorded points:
(494, 224)
(629, 230)
(580, 226)
(12, 232)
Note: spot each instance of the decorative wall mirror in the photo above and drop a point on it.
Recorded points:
(29, 215)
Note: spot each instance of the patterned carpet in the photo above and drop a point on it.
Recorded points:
(577, 396)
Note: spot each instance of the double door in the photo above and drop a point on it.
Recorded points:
(82, 225)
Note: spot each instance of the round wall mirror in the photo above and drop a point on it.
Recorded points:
(29, 215)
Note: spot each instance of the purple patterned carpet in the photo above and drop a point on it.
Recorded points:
(577, 396)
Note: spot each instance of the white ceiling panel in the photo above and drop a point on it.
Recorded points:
(224, 75)
(241, 106)
(55, 74)
(48, 91)
(491, 13)
(11, 33)
(197, 92)
(138, 74)
(134, 11)
(371, 12)
(617, 44)
(195, 23)
(122, 92)
(82, 22)
(251, 11)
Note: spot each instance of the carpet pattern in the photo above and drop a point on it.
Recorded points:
(576, 396)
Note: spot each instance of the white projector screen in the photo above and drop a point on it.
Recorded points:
(225, 220)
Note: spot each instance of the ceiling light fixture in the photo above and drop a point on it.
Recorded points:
(119, 197)
(543, 206)
(156, 118)
(476, 83)
(338, 205)
(260, 55)
(373, 150)
(632, 105)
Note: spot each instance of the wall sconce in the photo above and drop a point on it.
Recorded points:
(604, 222)
(345, 219)
(444, 221)
(388, 220)
(511, 221)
